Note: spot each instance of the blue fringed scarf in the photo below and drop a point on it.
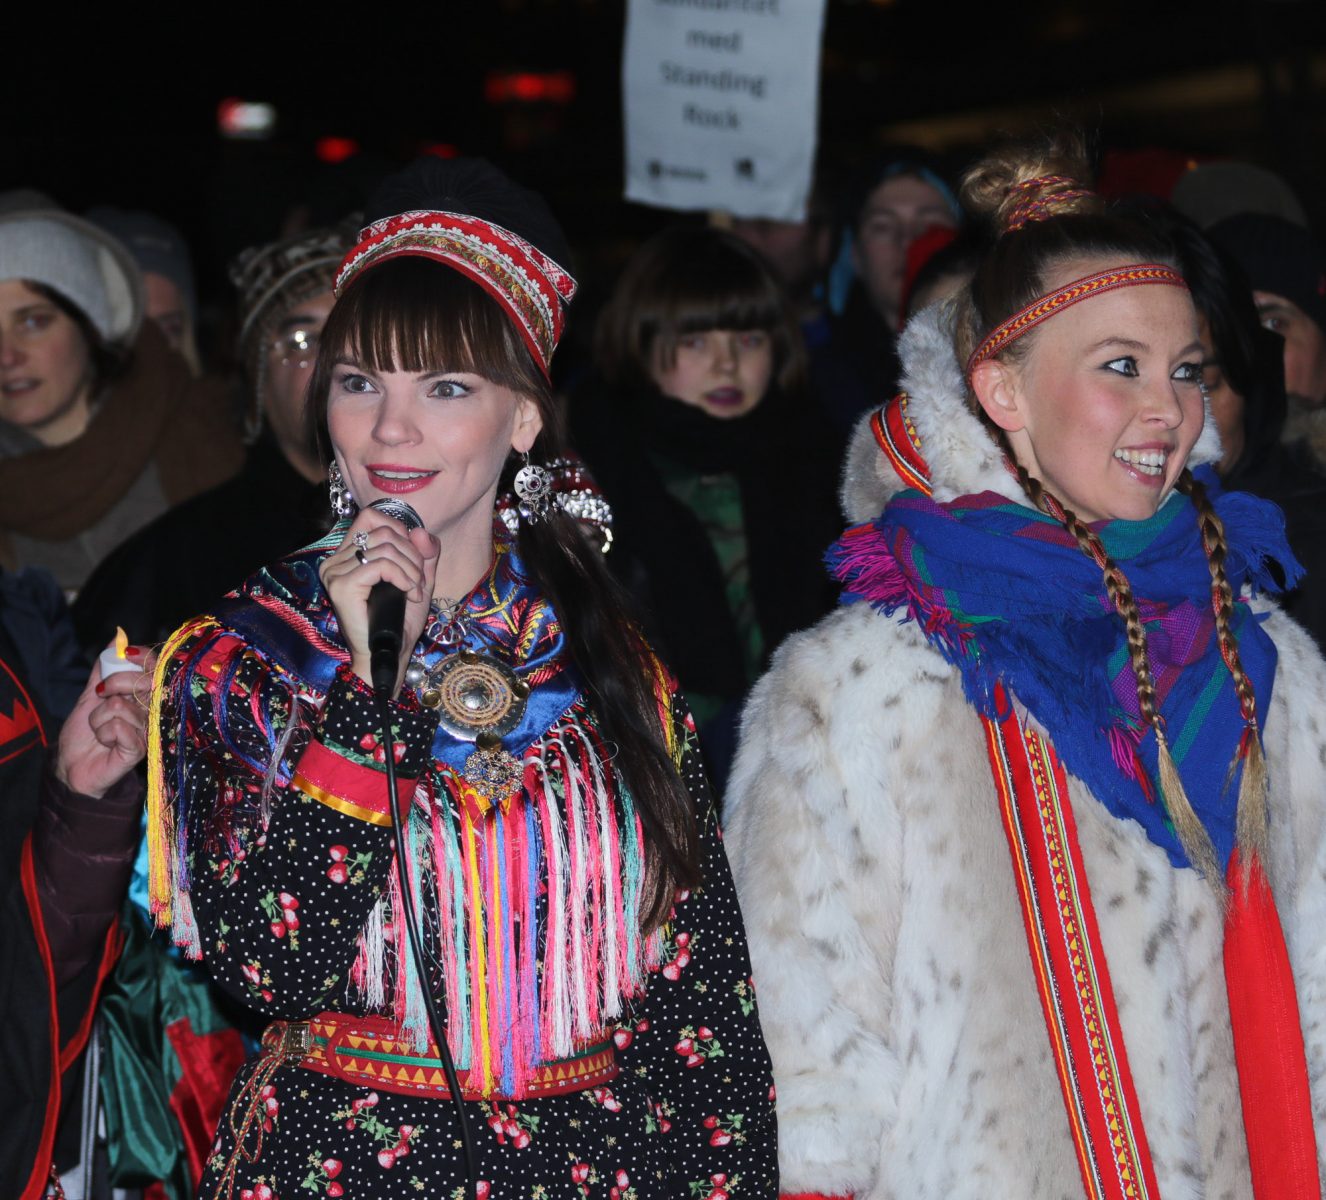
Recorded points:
(1006, 595)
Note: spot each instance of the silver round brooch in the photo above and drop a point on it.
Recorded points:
(474, 694)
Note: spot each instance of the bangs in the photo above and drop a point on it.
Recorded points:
(718, 291)
(414, 314)
(689, 280)
(418, 315)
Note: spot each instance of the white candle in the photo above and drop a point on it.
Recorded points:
(113, 659)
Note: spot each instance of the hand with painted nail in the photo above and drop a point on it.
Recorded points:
(105, 736)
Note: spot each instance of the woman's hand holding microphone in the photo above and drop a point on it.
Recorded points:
(377, 549)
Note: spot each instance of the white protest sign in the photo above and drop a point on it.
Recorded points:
(721, 99)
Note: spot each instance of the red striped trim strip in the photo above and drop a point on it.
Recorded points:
(896, 435)
(1072, 976)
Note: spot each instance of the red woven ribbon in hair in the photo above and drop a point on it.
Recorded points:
(1043, 197)
(1071, 293)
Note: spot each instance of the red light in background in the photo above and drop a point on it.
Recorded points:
(335, 149)
(439, 149)
(525, 87)
(529, 87)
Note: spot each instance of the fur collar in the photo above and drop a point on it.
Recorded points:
(963, 458)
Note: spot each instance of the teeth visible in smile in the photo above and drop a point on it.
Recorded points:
(1149, 462)
(403, 474)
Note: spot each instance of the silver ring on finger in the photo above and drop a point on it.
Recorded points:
(361, 556)
(361, 539)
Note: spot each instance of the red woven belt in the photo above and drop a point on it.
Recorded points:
(370, 1052)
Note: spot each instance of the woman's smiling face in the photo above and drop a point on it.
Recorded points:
(1105, 405)
(437, 439)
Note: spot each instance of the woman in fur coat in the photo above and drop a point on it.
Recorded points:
(1029, 833)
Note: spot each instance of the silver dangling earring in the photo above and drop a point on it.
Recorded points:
(533, 488)
(342, 502)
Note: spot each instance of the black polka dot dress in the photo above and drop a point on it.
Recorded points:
(287, 860)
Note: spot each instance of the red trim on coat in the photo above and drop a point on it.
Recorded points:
(35, 1187)
(110, 955)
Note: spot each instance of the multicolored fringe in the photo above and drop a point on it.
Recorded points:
(531, 908)
(167, 878)
(564, 858)
(177, 692)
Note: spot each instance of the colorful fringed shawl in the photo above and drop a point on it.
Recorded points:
(536, 901)
(1005, 594)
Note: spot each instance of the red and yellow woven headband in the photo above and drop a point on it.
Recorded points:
(1071, 293)
(529, 285)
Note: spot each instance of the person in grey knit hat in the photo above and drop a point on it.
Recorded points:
(102, 427)
(71, 302)
(285, 294)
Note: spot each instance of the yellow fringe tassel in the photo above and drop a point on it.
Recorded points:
(161, 868)
(1192, 833)
(672, 741)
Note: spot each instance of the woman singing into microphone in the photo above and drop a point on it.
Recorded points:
(560, 848)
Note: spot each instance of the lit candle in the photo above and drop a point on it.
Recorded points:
(114, 659)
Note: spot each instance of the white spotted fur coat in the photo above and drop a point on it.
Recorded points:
(896, 993)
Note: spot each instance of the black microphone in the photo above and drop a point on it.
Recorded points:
(386, 610)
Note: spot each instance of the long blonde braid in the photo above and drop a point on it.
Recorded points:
(1253, 819)
(1191, 832)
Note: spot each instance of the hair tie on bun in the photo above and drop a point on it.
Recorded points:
(1044, 196)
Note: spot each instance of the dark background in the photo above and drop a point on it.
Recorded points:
(121, 107)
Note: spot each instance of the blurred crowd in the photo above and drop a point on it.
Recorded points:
(710, 399)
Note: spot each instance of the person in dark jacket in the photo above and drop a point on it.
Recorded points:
(897, 200)
(72, 802)
(719, 471)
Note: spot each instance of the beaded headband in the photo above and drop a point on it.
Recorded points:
(1071, 293)
(529, 285)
